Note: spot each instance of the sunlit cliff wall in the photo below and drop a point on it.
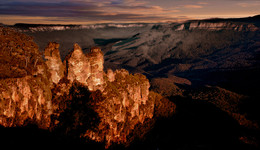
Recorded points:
(125, 95)
(25, 94)
(125, 104)
(86, 69)
(54, 63)
(37, 91)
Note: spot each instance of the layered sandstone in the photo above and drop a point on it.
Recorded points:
(96, 59)
(54, 63)
(47, 90)
(24, 97)
(125, 96)
(125, 104)
(24, 100)
(86, 69)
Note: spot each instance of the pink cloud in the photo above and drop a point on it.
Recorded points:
(193, 6)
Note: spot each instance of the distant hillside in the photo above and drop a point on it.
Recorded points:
(254, 19)
(86, 35)
(191, 50)
(23, 27)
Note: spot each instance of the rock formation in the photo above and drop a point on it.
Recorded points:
(125, 104)
(121, 100)
(110, 75)
(26, 97)
(86, 69)
(54, 63)
(96, 59)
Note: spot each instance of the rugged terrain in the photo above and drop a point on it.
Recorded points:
(208, 69)
(74, 98)
(86, 35)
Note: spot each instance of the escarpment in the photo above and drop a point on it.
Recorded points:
(48, 93)
(25, 93)
(215, 26)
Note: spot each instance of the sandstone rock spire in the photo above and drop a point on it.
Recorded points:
(77, 65)
(86, 69)
(53, 61)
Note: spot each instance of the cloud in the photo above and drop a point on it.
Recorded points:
(203, 3)
(245, 5)
(86, 11)
(135, 2)
(193, 6)
(89, 11)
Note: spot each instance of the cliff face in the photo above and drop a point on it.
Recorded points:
(216, 26)
(77, 89)
(54, 63)
(25, 100)
(26, 97)
(86, 69)
(125, 105)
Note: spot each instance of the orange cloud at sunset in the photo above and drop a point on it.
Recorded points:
(103, 11)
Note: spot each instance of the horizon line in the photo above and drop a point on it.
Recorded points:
(133, 22)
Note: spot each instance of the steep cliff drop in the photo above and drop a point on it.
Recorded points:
(125, 104)
(25, 93)
(75, 97)
(215, 26)
(122, 101)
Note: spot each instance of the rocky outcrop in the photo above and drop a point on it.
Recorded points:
(25, 98)
(96, 59)
(54, 63)
(110, 75)
(125, 104)
(125, 96)
(53, 92)
(77, 66)
(86, 69)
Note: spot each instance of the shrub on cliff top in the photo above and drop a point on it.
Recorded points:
(19, 55)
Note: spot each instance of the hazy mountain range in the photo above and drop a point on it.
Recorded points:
(188, 49)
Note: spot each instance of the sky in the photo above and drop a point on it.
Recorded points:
(122, 11)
